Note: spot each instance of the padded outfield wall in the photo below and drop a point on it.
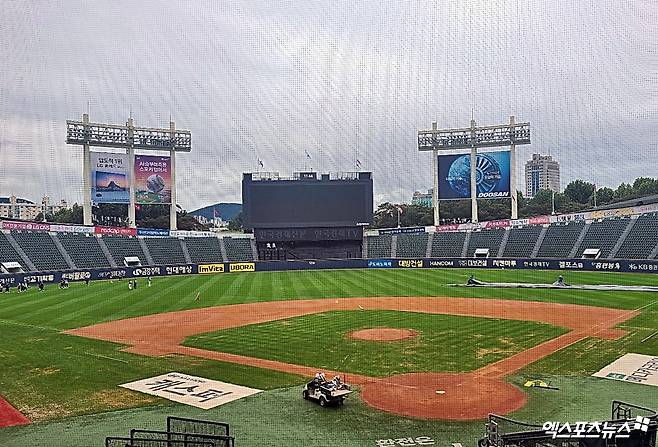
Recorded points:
(625, 266)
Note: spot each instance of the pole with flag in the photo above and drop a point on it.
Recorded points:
(308, 157)
(397, 207)
(357, 164)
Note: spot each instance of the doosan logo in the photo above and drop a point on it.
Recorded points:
(484, 195)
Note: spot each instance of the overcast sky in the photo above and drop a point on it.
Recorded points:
(341, 80)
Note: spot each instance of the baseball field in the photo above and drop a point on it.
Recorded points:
(426, 359)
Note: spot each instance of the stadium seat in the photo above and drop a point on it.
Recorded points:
(84, 250)
(490, 239)
(521, 241)
(238, 249)
(165, 250)
(41, 250)
(448, 245)
(412, 245)
(560, 239)
(122, 247)
(603, 235)
(641, 240)
(379, 246)
(204, 249)
(7, 252)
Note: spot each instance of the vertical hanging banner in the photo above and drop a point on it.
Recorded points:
(109, 178)
(152, 179)
(492, 176)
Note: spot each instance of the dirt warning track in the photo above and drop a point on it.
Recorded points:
(423, 395)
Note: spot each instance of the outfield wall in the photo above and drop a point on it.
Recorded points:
(626, 266)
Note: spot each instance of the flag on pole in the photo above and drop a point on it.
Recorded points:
(307, 154)
(358, 163)
(260, 163)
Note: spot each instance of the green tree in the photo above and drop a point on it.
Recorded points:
(579, 191)
(235, 224)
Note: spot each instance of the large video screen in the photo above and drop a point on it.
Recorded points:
(304, 203)
(492, 176)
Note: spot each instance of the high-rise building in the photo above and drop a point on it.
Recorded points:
(542, 172)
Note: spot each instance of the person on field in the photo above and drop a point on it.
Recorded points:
(40, 285)
(130, 285)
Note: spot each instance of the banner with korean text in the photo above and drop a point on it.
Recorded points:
(109, 178)
(152, 179)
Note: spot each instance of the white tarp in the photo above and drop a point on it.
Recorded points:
(635, 368)
(191, 390)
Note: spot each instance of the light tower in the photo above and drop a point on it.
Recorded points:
(128, 138)
(474, 137)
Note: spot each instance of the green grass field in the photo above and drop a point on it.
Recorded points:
(321, 340)
(50, 376)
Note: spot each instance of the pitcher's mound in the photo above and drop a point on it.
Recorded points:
(382, 334)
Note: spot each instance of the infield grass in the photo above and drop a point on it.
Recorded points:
(444, 342)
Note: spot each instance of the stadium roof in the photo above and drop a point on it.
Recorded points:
(18, 200)
(632, 202)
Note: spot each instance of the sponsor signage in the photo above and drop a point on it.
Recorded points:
(152, 179)
(438, 263)
(157, 232)
(410, 263)
(206, 269)
(242, 267)
(115, 231)
(634, 368)
(492, 176)
(110, 182)
(11, 225)
(308, 234)
(380, 264)
(71, 229)
(405, 230)
(191, 390)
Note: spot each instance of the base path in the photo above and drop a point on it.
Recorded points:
(9, 416)
(463, 396)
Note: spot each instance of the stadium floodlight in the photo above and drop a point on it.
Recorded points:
(128, 137)
(472, 138)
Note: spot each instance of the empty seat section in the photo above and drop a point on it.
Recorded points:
(204, 249)
(41, 250)
(448, 245)
(379, 246)
(7, 252)
(123, 247)
(603, 235)
(412, 245)
(521, 241)
(165, 250)
(641, 240)
(84, 250)
(560, 240)
(490, 239)
(238, 249)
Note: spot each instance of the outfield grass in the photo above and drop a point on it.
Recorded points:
(49, 375)
(444, 342)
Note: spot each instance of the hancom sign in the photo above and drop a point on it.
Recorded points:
(242, 267)
(206, 269)
(492, 176)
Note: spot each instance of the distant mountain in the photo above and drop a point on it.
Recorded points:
(226, 211)
(111, 187)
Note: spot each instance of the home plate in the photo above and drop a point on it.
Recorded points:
(440, 392)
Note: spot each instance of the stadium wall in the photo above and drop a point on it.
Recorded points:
(626, 266)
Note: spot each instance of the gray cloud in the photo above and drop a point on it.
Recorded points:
(268, 80)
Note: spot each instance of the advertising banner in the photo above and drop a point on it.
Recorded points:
(11, 225)
(153, 232)
(191, 390)
(492, 176)
(109, 178)
(242, 267)
(71, 229)
(635, 368)
(206, 269)
(405, 230)
(115, 231)
(152, 179)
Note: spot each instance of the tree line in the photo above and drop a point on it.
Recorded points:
(578, 195)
